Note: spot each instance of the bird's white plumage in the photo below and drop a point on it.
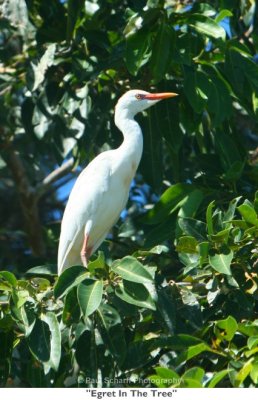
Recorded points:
(101, 190)
(90, 202)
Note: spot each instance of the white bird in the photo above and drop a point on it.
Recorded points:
(102, 189)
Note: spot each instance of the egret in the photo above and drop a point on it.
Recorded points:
(101, 191)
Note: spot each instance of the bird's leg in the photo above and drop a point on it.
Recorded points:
(85, 251)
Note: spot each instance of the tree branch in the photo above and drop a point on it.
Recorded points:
(58, 173)
(29, 196)
(28, 201)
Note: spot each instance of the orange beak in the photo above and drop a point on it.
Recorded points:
(159, 96)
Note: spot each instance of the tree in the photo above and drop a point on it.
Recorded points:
(172, 296)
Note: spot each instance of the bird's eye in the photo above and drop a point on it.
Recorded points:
(139, 96)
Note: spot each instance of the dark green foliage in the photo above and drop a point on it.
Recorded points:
(171, 299)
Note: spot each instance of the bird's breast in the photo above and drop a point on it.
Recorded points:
(128, 173)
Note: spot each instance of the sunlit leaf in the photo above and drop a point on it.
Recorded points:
(244, 372)
(248, 213)
(187, 244)
(8, 277)
(89, 294)
(68, 279)
(132, 270)
(55, 340)
(193, 227)
(207, 26)
(221, 261)
(227, 328)
(136, 294)
(218, 376)
(164, 377)
(45, 62)
(168, 202)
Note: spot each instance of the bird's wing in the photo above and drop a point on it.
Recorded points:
(94, 199)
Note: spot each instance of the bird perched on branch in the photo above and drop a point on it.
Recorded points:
(102, 189)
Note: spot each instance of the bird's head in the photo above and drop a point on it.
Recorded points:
(135, 101)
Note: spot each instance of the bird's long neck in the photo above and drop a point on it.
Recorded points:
(132, 146)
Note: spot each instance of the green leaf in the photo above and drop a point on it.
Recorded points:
(111, 330)
(138, 50)
(222, 236)
(85, 351)
(161, 232)
(235, 171)
(222, 15)
(164, 378)
(192, 378)
(159, 249)
(8, 277)
(191, 203)
(197, 88)
(40, 69)
(6, 349)
(187, 244)
(227, 328)
(97, 264)
(170, 129)
(256, 202)
(206, 26)
(178, 342)
(132, 270)
(39, 341)
(229, 214)
(217, 377)
(204, 252)
(244, 372)
(221, 261)
(166, 306)
(227, 149)
(219, 102)
(74, 7)
(68, 279)
(248, 213)
(194, 373)
(241, 68)
(151, 163)
(190, 383)
(45, 341)
(20, 297)
(249, 328)
(138, 354)
(192, 352)
(193, 227)
(89, 294)
(48, 269)
(162, 53)
(169, 202)
(143, 20)
(136, 294)
(71, 310)
(41, 122)
(209, 217)
(28, 317)
(252, 342)
(254, 372)
(55, 341)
